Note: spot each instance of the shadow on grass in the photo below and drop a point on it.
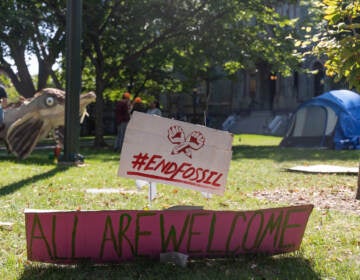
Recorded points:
(17, 185)
(45, 156)
(292, 154)
(38, 158)
(244, 267)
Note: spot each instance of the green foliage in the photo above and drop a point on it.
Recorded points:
(13, 96)
(339, 41)
(149, 43)
(31, 29)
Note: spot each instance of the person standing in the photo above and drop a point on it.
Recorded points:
(122, 116)
(3, 103)
(138, 105)
(154, 108)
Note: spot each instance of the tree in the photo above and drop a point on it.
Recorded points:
(338, 40)
(134, 41)
(339, 44)
(243, 35)
(15, 26)
(144, 44)
(31, 28)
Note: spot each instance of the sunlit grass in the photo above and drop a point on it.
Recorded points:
(330, 248)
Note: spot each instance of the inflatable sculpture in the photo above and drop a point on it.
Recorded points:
(33, 119)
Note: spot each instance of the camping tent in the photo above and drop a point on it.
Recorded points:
(331, 120)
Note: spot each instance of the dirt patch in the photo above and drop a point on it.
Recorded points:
(336, 198)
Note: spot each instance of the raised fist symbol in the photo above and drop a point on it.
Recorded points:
(176, 134)
(194, 141)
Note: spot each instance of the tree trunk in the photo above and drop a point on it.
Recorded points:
(43, 75)
(25, 85)
(99, 129)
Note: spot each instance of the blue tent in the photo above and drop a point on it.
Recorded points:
(331, 120)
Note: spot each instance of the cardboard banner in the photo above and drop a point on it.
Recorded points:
(177, 153)
(115, 236)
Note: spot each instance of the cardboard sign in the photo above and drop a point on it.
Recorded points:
(176, 153)
(115, 236)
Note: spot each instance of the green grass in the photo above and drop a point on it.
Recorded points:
(330, 247)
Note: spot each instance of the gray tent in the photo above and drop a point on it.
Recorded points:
(331, 120)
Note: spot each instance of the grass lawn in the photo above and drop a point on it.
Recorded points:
(257, 179)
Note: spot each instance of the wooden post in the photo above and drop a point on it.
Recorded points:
(358, 186)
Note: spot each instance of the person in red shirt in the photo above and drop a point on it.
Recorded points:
(122, 116)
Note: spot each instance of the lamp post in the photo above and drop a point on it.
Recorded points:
(73, 80)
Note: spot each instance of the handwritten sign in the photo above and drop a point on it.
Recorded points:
(178, 153)
(115, 236)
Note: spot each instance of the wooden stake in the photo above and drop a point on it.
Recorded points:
(358, 185)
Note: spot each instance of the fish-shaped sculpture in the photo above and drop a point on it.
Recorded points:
(35, 118)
